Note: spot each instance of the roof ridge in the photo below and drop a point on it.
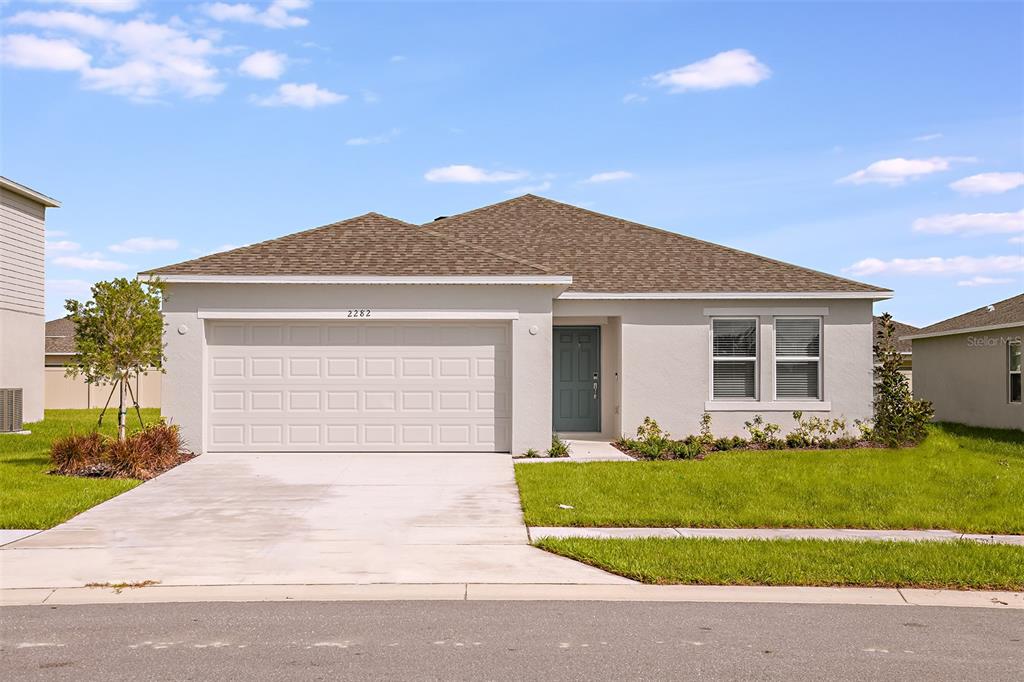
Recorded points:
(677, 235)
(486, 250)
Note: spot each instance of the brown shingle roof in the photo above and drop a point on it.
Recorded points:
(1008, 312)
(370, 244)
(608, 254)
(528, 235)
(60, 336)
(902, 329)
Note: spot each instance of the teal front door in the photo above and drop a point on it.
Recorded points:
(577, 379)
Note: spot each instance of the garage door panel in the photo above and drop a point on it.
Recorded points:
(417, 386)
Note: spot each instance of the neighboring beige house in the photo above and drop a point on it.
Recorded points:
(902, 345)
(63, 392)
(969, 366)
(22, 299)
(489, 330)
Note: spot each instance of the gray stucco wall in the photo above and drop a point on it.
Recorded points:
(184, 394)
(665, 361)
(966, 378)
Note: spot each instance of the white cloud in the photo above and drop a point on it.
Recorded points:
(304, 95)
(370, 97)
(138, 58)
(383, 138)
(68, 288)
(62, 246)
(32, 52)
(471, 174)
(144, 245)
(928, 137)
(897, 171)
(276, 15)
(264, 64)
(609, 176)
(102, 6)
(988, 183)
(1017, 240)
(530, 189)
(634, 98)
(972, 224)
(981, 281)
(724, 70)
(957, 265)
(396, 58)
(90, 261)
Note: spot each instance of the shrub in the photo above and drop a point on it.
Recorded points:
(707, 438)
(77, 453)
(732, 443)
(763, 434)
(531, 453)
(816, 432)
(559, 448)
(141, 455)
(899, 418)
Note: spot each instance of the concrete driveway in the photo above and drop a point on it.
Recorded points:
(302, 519)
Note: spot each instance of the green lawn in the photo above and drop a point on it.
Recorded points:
(708, 561)
(31, 498)
(960, 478)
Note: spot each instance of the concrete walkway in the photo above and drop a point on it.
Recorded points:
(300, 518)
(585, 451)
(537, 532)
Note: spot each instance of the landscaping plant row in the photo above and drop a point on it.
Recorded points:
(142, 455)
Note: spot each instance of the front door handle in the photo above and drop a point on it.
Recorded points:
(595, 390)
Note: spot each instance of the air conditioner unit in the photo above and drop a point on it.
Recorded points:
(10, 410)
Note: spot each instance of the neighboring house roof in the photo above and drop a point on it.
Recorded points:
(60, 337)
(528, 235)
(902, 345)
(371, 244)
(28, 192)
(608, 254)
(1008, 313)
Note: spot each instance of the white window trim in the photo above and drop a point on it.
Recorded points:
(756, 359)
(1011, 372)
(798, 358)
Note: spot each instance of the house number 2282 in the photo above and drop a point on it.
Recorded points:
(359, 312)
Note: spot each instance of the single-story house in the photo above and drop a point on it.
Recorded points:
(63, 392)
(491, 329)
(902, 345)
(969, 366)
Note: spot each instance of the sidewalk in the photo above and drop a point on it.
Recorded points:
(507, 592)
(537, 532)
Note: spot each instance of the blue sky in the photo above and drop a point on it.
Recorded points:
(883, 142)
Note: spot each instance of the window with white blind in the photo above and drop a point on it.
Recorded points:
(734, 358)
(1015, 365)
(798, 358)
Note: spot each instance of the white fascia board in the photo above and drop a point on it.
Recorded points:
(343, 315)
(360, 279)
(28, 193)
(728, 295)
(968, 330)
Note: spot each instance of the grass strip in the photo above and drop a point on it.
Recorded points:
(960, 565)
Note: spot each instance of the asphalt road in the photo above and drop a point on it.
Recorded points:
(508, 640)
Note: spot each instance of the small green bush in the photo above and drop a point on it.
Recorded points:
(559, 448)
(764, 434)
(899, 418)
(531, 453)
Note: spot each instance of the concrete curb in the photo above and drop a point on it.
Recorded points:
(537, 532)
(511, 592)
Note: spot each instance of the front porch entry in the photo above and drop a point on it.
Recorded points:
(576, 381)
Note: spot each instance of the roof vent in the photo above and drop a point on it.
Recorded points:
(990, 308)
(440, 217)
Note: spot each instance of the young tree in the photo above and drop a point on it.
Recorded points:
(899, 419)
(119, 334)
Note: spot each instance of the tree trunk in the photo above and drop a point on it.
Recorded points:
(122, 411)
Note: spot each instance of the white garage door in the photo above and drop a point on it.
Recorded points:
(360, 386)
